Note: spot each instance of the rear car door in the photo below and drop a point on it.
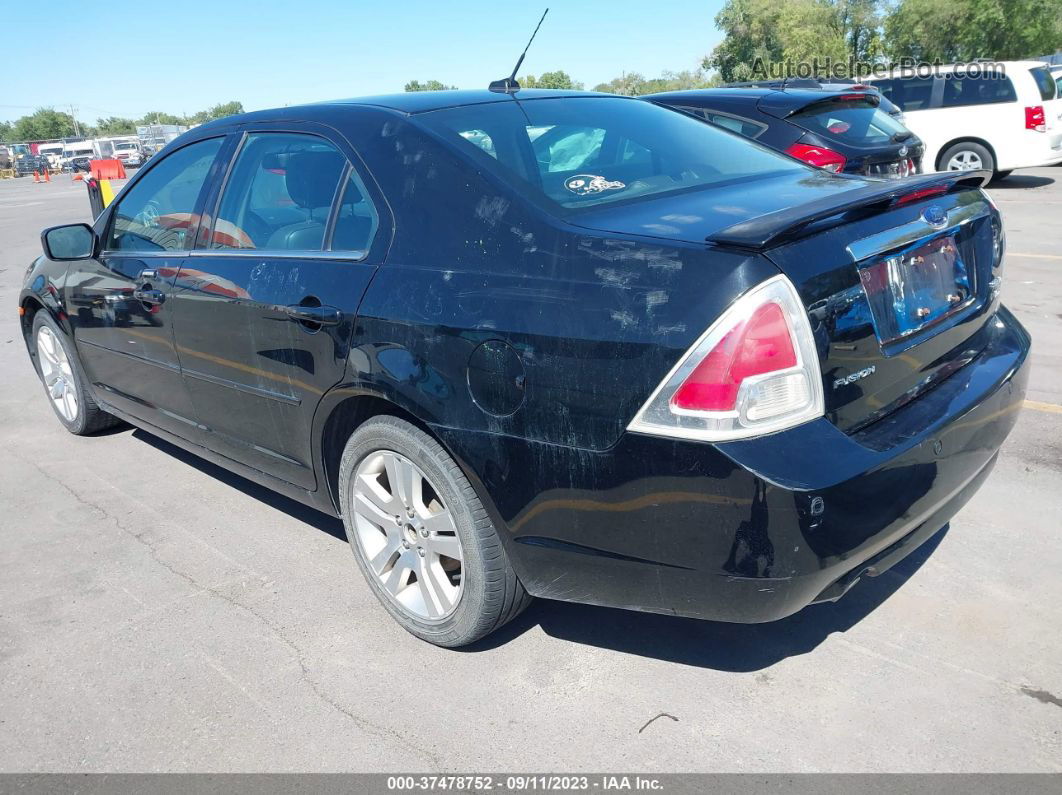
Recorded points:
(269, 296)
(119, 302)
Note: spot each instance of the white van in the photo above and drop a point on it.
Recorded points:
(980, 116)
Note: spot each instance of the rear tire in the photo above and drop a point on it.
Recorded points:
(967, 156)
(64, 381)
(422, 538)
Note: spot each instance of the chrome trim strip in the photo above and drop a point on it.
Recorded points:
(245, 388)
(260, 253)
(178, 254)
(129, 355)
(908, 233)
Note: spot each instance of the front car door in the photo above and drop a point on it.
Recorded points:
(120, 303)
(267, 299)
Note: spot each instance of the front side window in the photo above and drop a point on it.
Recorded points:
(570, 153)
(158, 212)
(279, 194)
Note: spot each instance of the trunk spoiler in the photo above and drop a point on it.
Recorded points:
(772, 229)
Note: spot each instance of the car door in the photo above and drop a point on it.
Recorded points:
(119, 302)
(267, 300)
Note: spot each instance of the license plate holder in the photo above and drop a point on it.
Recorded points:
(917, 287)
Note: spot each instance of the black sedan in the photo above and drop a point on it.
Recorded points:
(839, 130)
(550, 344)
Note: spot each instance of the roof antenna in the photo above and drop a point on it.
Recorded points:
(508, 85)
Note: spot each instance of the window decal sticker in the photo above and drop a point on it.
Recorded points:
(587, 184)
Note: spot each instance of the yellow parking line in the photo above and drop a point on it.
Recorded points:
(1036, 405)
(1035, 256)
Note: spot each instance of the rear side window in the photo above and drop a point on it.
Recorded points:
(852, 121)
(279, 194)
(356, 219)
(157, 214)
(986, 89)
(580, 152)
(908, 93)
(1044, 82)
(741, 126)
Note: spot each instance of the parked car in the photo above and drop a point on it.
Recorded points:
(837, 130)
(79, 163)
(637, 361)
(994, 121)
(825, 84)
(129, 153)
(27, 164)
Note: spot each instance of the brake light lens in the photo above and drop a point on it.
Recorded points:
(754, 371)
(1035, 119)
(921, 193)
(818, 156)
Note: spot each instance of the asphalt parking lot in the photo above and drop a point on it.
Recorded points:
(160, 614)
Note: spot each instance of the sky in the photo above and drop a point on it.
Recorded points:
(185, 56)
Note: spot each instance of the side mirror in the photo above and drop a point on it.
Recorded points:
(73, 241)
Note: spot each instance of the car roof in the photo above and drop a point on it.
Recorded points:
(410, 102)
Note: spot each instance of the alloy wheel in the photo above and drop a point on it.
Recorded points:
(57, 374)
(965, 160)
(407, 536)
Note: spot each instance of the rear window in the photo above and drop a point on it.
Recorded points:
(578, 152)
(854, 122)
(1047, 87)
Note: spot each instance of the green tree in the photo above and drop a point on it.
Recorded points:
(5, 131)
(42, 124)
(158, 117)
(765, 38)
(557, 80)
(217, 112)
(114, 125)
(632, 84)
(428, 85)
(962, 30)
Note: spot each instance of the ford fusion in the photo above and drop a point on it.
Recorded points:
(548, 344)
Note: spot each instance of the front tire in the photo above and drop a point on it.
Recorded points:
(64, 380)
(422, 538)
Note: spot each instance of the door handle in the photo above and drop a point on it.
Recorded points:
(149, 296)
(319, 315)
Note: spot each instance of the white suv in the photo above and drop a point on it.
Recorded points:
(972, 116)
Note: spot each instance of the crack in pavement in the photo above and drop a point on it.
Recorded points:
(373, 729)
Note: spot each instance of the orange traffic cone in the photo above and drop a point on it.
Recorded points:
(36, 177)
(47, 175)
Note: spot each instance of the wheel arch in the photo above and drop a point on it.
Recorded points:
(964, 139)
(341, 413)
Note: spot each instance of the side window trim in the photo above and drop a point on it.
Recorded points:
(204, 191)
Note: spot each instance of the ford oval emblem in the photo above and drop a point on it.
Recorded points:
(935, 216)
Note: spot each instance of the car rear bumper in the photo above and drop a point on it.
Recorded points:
(755, 530)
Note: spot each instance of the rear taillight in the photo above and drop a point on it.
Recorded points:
(1034, 118)
(754, 371)
(819, 156)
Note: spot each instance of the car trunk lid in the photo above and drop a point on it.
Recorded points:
(898, 278)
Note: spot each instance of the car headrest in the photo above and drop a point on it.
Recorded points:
(311, 178)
